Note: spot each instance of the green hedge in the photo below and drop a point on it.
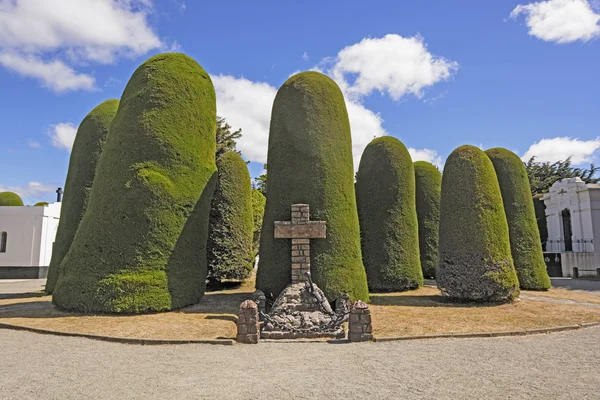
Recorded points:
(385, 196)
(428, 184)
(474, 250)
(87, 148)
(231, 227)
(141, 245)
(10, 199)
(540, 215)
(41, 204)
(258, 211)
(310, 161)
(525, 243)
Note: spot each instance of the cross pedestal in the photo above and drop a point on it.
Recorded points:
(300, 229)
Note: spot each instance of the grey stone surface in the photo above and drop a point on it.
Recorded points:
(551, 366)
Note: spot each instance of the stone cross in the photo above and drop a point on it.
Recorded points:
(300, 229)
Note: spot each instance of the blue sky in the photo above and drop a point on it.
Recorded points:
(436, 74)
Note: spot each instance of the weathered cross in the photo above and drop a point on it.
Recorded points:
(300, 229)
(562, 191)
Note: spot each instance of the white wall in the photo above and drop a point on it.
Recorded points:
(31, 232)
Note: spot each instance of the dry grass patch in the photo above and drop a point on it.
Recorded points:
(213, 318)
(426, 312)
(564, 294)
(420, 312)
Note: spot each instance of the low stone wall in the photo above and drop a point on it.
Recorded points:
(586, 263)
(23, 272)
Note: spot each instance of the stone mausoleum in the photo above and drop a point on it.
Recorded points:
(573, 221)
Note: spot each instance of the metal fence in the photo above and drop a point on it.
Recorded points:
(562, 245)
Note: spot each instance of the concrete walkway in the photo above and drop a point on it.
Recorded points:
(577, 284)
(551, 366)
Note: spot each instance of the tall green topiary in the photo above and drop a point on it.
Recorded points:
(428, 184)
(525, 243)
(231, 227)
(258, 211)
(41, 204)
(10, 199)
(475, 261)
(385, 196)
(87, 147)
(141, 245)
(540, 215)
(310, 162)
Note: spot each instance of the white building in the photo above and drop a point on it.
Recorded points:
(573, 219)
(26, 239)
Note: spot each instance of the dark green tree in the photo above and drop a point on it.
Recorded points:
(10, 199)
(260, 182)
(474, 250)
(428, 184)
(543, 175)
(141, 245)
(540, 217)
(525, 245)
(231, 228)
(226, 139)
(310, 162)
(258, 212)
(87, 148)
(385, 196)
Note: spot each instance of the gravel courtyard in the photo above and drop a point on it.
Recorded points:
(557, 366)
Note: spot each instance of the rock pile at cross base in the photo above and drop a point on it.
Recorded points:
(298, 313)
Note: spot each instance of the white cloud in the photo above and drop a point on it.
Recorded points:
(305, 56)
(246, 104)
(54, 74)
(428, 155)
(34, 144)
(63, 135)
(31, 190)
(39, 38)
(561, 21)
(561, 148)
(392, 64)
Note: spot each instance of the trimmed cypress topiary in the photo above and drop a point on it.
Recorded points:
(310, 162)
(41, 204)
(428, 184)
(141, 245)
(231, 227)
(540, 215)
(10, 199)
(525, 243)
(258, 211)
(475, 260)
(87, 148)
(385, 196)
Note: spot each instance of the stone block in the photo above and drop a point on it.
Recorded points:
(365, 318)
(298, 259)
(297, 253)
(301, 241)
(354, 318)
(242, 329)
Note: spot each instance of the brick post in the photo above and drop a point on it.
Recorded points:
(248, 326)
(361, 329)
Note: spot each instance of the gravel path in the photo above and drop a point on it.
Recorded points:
(557, 366)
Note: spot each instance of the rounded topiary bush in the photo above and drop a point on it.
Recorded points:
(10, 199)
(141, 245)
(231, 227)
(525, 243)
(87, 148)
(385, 197)
(540, 215)
(258, 211)
(310, 162)
(41, 204)
(428, 184)
(475, 262)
